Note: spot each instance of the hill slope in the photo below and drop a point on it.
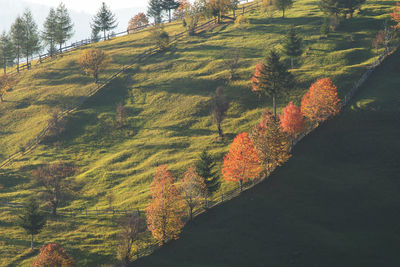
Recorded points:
(335, 203)
(168, 116)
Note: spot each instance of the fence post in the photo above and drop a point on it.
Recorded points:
(138, 212)
(222, 197)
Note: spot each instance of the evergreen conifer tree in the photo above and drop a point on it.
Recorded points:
(283, 5)
(32, 219)
(169, 5)
(205, 168)
(104, 20)
(31, 43)
(18, 36)
(64, 26)
(50, 30)
(154, 10)
(293, 44)
(7, 53)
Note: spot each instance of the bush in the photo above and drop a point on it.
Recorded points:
(161, 38)
(242, 21)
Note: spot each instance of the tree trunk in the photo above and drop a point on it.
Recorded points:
(96, 78)
(104, 34)
(18, 61)
(191, 212)
(27, 60)
(32, 242)
(169, 14)
(283, 13)
(60, 48)
(291, 61)
(274, 105)
(54, 210)
(1, 98)
(221, 134)
(241, 186)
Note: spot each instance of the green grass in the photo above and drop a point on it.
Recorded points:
(168, 116)
(335, 203)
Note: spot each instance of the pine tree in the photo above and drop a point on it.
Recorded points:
(7, 53)
(283, 5)
(169, 5)
(330, 7)
(104, 20)
(31, 43)
(154, 10)
(349, 6)
(50, 30)
(293, 45)
(272, 77)
(18, 36)
(32, 219)
(64, 26)
(205, 168)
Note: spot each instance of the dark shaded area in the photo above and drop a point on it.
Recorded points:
(335, 203)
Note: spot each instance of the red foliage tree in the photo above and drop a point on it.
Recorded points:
(51, 255)
(242, 161)
(321, 101)
(164, 213)
(137, 21)
(292, 120)
(396, 16)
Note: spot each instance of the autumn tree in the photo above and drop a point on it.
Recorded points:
(193, 189)
(271, 142)
(219, 107)
(218, 7)
(395, 15)
(272, 77)
(321, 101)
(53, 254)
(7, 53)
(292, 120)
(283, 5)
(164, 213)
(205, 167)
(179, 13)
(131, 227)
(6, 82)
(64, 26)
(192, 14)
(32, 219)
(138, 21)
(293, 45)
(104, 20)
(93, 61)
(53, 183)
(384, 37)
(242, 162)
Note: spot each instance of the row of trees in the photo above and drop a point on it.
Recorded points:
(24, 38)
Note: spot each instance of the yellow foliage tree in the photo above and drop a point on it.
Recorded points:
(93, 61)
(271, 142)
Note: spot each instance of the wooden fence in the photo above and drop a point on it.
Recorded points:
(33, 143)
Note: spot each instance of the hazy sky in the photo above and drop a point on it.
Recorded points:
(91, 6)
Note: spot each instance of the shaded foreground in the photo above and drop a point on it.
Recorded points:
(335, 203)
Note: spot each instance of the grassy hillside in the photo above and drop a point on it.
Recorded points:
(335, 203)
(168, 115)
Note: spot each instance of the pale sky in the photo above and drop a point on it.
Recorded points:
(91, 6)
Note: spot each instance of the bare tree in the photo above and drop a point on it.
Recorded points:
(120, 117)
(193, 189)
(56, 125)
(51, 178)
(231, 60)
(219, 107)
(131, 227)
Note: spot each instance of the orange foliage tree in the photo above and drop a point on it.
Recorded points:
(137, 21)
(321, 101)
(193, 189)
(93, 61)
(53, 255)
(270, 141)
(164, 213)
(396, 16)
(292, 120)
(242, 161)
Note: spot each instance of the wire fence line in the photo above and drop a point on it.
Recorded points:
(152, 51)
